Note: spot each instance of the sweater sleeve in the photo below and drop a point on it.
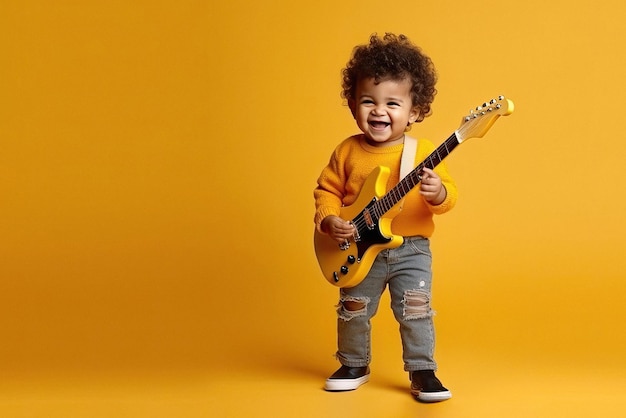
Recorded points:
(447, 181)
(330, 189)
(451, 192)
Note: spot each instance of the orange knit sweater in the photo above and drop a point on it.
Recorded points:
(354, 159)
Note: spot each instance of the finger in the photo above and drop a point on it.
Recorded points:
(430, 173)
(426, 174)
(344, 229)
(343, 232)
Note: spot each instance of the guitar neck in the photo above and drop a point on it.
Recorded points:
(397, 193)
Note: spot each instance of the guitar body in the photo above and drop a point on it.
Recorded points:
(348, 267)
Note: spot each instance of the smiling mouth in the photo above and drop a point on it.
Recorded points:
(378, 125)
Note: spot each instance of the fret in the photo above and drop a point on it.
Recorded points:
(430, 164)
(410, 180)
(405, 186)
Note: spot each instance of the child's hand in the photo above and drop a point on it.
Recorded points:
(337, 228)
(431, 187)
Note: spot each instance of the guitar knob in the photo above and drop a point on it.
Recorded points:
(351, 259)
(344, 270)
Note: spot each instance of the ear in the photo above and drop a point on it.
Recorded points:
(352, 106)
(414, 115)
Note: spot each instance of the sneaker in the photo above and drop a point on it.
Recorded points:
(347, 378)
(427, 388)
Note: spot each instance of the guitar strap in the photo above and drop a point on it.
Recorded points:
(408, 156)
(407, 160)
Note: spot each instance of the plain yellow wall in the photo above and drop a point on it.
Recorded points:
(157, 161)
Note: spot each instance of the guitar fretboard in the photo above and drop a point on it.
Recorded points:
(397, 193)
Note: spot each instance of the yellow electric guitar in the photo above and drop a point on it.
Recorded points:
(347, 264)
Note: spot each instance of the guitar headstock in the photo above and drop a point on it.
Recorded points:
(479, 120)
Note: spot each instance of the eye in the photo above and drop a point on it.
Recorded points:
(367, 101)
(393, 104)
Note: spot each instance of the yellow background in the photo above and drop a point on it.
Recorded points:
(157, 161)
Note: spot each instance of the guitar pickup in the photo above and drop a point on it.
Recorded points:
(369, 221)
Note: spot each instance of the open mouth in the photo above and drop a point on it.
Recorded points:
(378, 125)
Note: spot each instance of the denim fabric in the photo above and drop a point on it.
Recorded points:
(407, 272)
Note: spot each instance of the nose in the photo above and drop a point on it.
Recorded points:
(379, 110)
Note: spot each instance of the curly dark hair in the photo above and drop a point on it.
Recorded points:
(392, 57)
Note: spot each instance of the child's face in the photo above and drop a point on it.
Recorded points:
(384, 110)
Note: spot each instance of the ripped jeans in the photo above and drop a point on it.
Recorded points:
(407, 272)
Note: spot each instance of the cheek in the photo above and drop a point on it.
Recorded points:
(361, 116)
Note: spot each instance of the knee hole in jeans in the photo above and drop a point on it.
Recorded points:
(416, 304)
(351, 307)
